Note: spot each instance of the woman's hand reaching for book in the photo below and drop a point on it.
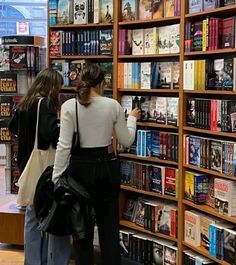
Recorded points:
(136, 113)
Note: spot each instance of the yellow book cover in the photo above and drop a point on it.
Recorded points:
(204, 25)
(169, 8)
(155, 41)
(189, 186)
(195, 74)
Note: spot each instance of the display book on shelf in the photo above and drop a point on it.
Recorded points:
(21, 58)
(208, 131)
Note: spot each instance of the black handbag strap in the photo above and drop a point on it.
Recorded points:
(76, 139)
(76, 116)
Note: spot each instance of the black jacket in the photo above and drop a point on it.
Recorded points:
(23, 124)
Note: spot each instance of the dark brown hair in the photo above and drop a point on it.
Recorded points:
(90, 76)
(47, 84)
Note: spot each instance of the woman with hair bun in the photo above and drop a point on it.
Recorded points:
(98, 118)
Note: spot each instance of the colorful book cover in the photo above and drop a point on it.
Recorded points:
(18, 58)
(216, 155)
(192, 228)
(65, 12)
(169, 8)
(145, 9)
(8, 82)
(5, 135)
(6, 104)
(209, 4)
(129, 10)
(170, 181)
(194, 150)
(55, 43)
(106, 11)
(107, 67)
(170, 255)
(157, 9)
(106, 40)
(4, 58)
(195, 6)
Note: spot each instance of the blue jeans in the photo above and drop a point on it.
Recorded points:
(39, 250)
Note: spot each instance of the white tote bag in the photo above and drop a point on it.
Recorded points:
(37, 163)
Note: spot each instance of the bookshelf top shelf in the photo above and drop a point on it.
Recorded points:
(172, 91)
(69, 26)
(227, 10)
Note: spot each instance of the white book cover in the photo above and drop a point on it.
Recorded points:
(164, 40)
(137, 42)
(96, 8)
(161, 108)
(165, 74)
(192, 228)
(127, 104)
(152, 108)
(125, 75)
(129, 75)
(174, 38)
(175, 75)
(225, 196)
(172, 111)
(189, 75)
(80, 11)
(148, 41)
(144, 9)
(145, 75)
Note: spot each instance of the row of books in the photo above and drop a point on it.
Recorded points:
(162, 180)
(210, 34)
(70, 71)
(211, 114)
(209, 74)
(192, 258)
(80, 11)
(82, 42)
(163, 145)
(152, 215)
(203, 5)
(155, 40)
(150, 9)
(211, 154)
(148, 75)
(217, 236)
(15, 172)
(162, 110)
(145, 249)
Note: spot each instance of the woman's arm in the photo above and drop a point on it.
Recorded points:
(64, 143)
(126, 131)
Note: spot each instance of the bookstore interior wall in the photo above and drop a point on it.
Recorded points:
(176, 61)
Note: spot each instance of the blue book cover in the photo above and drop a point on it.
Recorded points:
(194, 150)
(155, 75)
(155, 143)
(157, 180)
(209, 4)
(195, 6)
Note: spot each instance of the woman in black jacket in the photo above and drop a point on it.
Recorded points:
(23, 124)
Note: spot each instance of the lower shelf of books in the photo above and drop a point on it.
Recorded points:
(205, 253)
(133, 226)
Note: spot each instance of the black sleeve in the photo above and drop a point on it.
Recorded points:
(48, 123)
(13, 124)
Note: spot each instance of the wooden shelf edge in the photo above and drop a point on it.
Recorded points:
(207, 209)
(81, 57)
(148, 56)
(98, 25)
(222, 92)
(148, 193)
(133, 226)
(152, 21)
(213, 11)
(210, 172)
(219, 133)
(156, 125)
(205, 253)
(218, 51)
(175, 91)
(149, 159)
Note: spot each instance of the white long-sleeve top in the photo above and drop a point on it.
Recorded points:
(96, 125)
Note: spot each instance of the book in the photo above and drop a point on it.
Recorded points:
(5, 135)
(106, 40)
(192, 228)
(138, 42)
(170, 255)
(195, 6)
(65, 12)
(18, 58)
(169, 8)
(144, 9)
(6, 104)
(106, 11)
(157, 9)
(129, 10)
(4, 58)
(8, 82)
(80, 11)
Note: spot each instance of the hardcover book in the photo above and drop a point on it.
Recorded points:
(8, 82)
(106, 11)
(145, 9)
(129, 10)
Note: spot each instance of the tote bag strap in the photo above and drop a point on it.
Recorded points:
(37, 125)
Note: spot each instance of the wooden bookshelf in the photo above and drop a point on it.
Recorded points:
(182, 94)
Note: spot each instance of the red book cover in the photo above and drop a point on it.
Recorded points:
(228, 32)
(170, 181)
(173, 223)
(55, 43)
(18, 58)
(15, 174)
